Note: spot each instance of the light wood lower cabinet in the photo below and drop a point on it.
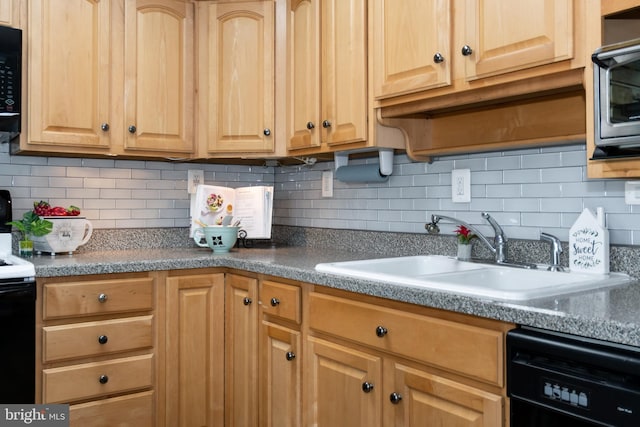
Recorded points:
(280, 376)
(417, 397)
(399, 367)
(97, 350)
(344, 386)
(212, 347)
(132, 409)
(241, 351)
(194, 364)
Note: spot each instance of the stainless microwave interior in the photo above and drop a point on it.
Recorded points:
(617, 107)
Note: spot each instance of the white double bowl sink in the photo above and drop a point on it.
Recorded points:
(441, 273)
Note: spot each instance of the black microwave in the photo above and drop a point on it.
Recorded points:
(10, 82)
(616, 77)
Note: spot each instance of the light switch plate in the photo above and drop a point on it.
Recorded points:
(632, 192)
(194, 178)
(461, 185)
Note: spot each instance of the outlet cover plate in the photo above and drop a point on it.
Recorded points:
(194, 178)
(461, 185)
(327, 184)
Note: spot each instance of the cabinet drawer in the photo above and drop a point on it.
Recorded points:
(130, 410)
(96, 338)
(280, 300)
(469, 350)
(75, 382)
(97, 297)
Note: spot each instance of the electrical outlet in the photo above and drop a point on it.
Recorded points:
(327, 184)
(461, 185)
(194, 178)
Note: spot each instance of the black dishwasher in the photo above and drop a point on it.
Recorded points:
(561, 380)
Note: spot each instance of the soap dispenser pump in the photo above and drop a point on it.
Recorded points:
(589, 244)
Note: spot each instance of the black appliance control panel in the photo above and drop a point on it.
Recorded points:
(9, 96)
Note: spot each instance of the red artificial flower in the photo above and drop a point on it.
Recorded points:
(464, 235)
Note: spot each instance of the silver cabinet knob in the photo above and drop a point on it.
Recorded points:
(381, 331)
(246, 301)
(438, 58)
(326, 124)
(132, 129)
(104, 126)
(310, 125)
(466, 50)
(275, 302)
(267, 132)
(290, 355)
(395, 398)
(367, 387)
(103, 298)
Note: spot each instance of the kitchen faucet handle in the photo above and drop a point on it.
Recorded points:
(555, 251)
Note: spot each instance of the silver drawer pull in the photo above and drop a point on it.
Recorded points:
(102, 297)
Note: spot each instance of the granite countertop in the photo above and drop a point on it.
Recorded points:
(607, 314)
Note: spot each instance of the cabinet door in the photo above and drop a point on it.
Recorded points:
(345, 386)
(159, 76)
(280, 376)
(237, 77)
(194, 350)
(344, 71)
(10, 13)
(69, 74)
(410, 55)
(417, 398)
(506, 36)
(241, 351)
(304, 51)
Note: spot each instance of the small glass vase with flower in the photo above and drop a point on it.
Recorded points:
(464, 236)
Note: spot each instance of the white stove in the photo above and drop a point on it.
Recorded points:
(12, 266)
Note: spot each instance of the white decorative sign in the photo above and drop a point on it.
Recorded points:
(588, 245)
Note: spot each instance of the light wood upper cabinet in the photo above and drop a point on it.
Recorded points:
(111, 77)
(10, 13)
(328, 83)
(304, 46)
(410, 55)
(468, 42)
(509, 36)
(70, 70)
(159, 76)
(236, 78)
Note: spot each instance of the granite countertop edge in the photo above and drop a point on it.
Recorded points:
(608, 314)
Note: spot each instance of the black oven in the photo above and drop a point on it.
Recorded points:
(17, 317)
(17, 335)
(560, 380)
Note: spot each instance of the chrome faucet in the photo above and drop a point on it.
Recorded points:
(499, 246)
(554, 254)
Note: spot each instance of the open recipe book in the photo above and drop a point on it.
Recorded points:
(252, 206)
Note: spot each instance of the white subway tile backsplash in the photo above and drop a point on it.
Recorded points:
(527, 191)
